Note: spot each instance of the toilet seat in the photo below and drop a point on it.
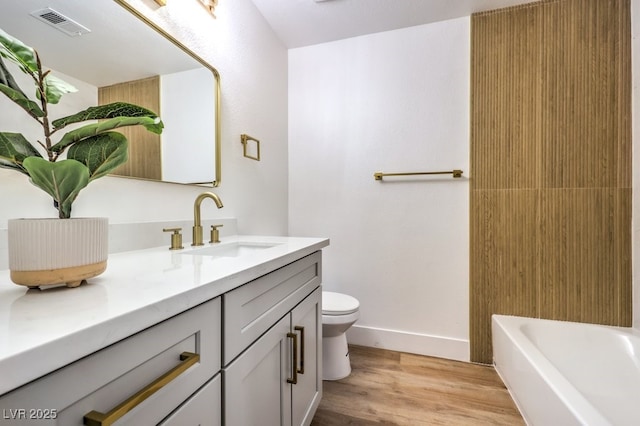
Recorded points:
(338, 303)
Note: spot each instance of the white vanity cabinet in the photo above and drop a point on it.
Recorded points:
(225, 342)
(273, 331)
(175, 358)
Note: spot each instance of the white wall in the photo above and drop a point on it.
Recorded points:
(253, 66)
(396, 101)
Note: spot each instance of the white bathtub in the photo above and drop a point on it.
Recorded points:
(566, 373)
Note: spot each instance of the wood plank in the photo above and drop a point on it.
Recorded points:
(505, 110)
(503, 265)
(145, 148)
(584, 266)
(622, 257)
(584, 97)
(394, 388)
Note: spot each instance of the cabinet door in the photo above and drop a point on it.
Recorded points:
(202, 409)
(306, 322)
(256, 389)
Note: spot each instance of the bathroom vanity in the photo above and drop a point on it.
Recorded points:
(226, 334)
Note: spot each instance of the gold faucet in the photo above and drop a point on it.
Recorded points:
(197, 224)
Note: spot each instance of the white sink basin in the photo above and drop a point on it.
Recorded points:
(231, 249)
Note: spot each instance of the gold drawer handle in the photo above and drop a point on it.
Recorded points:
(95, 418)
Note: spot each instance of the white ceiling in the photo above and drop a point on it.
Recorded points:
(305, 22)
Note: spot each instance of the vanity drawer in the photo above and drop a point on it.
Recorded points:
(250, 310)
(105, 379)
(203, 409)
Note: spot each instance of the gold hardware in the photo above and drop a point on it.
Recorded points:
(294, 363)
(161, 2)
(197, 224)
(301, 330)
(176, 238)
(215, 234)
(217, 89)
(456, 174)
(95, 418)
(244, 139)
(210, 5)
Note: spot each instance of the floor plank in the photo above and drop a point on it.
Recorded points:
(395, 388)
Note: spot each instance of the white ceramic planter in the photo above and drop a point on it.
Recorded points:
(57, 251)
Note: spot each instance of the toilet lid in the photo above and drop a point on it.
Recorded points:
(338, 303)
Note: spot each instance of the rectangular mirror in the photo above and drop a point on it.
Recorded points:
(122, 56)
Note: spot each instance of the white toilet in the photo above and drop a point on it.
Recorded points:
(339, 312)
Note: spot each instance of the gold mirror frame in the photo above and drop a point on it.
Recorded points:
(216, 76)
(73, 57)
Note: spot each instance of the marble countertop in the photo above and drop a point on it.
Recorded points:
(42, 330)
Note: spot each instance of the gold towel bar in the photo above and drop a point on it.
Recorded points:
(456, 174)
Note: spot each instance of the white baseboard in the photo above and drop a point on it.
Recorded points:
(402, 341)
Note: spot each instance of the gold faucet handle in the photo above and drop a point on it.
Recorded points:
(215, 234)
(176, 238)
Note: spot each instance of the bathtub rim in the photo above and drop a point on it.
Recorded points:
(571, 398)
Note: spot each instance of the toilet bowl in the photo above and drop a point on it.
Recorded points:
(339, 312)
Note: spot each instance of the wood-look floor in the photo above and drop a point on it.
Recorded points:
(394, 388)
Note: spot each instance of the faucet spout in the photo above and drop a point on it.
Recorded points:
(197, 222)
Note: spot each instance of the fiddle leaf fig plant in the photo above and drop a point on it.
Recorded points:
(63, 166)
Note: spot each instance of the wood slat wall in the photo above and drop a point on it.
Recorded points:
(550, 165)
(145, 151)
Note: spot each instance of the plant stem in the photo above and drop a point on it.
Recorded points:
(43, 103)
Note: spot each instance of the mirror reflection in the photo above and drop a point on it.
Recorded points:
(121, 56)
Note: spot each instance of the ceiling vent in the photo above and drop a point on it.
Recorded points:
(60, 22)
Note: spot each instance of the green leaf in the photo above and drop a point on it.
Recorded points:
(113, 110)
(101, 153)
(17, 52)
(24, 102)
(7, 79)
(55, 88)
(25, 57)
(62, 180)
(14, 149)
(9, 87)
(95, 129)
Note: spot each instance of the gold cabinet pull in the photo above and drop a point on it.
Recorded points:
(95, 418)
(301, 330)
(294, 363)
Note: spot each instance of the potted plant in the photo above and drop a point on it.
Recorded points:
(61, 166)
